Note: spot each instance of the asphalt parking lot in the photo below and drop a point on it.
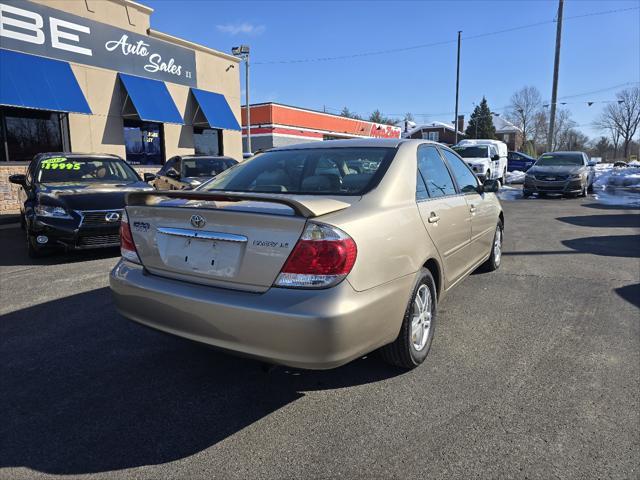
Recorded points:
(534, 373)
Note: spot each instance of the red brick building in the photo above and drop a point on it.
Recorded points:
(274, 125)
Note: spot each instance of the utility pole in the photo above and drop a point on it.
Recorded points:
(556, 66)
(243, 52)
(455, 120)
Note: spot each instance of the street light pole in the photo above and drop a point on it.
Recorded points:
(243, 52)
(455, 120)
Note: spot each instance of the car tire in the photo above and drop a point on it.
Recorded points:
(23, 222)
(590, 188)
(526, 194)
(583, 192)
(495, 258)
(413, 343)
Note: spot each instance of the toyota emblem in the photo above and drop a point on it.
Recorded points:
(198, 221)
(112, 217)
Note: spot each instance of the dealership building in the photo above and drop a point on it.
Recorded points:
(93, 76)
(276, 125)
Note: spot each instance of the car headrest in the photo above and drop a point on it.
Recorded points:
(356, 181)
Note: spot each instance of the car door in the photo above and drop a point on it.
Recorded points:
(444, 212)
(483, 212)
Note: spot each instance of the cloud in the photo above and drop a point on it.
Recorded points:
(244, 28)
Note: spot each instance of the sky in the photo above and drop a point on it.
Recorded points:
(600, 53)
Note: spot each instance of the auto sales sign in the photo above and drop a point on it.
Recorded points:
(38, 30)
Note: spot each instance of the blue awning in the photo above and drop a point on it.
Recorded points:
(37, 82)
(215, 110)
(151, 100)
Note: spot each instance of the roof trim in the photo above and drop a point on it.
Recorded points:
(186, 43)
(138, 6)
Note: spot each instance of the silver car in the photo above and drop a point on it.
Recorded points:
(311, 255)
(567, 173)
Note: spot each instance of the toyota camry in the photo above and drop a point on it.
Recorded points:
(311, 255)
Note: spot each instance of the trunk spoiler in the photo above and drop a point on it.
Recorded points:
(308, 208)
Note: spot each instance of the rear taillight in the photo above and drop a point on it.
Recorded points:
(323, 257)
(127, 247)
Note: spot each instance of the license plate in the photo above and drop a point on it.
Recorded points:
(201, 256)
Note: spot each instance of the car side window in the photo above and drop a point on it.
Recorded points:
(421, 187)
(467, 181)
(434, 172)
(171, 164)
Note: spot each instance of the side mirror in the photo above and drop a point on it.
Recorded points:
(149, 177)
(495, 157)
(491, 186)
(18, 179)
(173, 174)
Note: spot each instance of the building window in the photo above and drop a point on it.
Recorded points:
(434, 136)
(144, 142)
(26, 132)
(505, 138)
(207, 141)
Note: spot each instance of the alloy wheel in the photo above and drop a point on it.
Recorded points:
(421, 320)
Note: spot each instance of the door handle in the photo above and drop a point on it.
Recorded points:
(472, 208)
(433, 218)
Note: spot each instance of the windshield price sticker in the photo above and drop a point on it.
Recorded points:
(59, 163)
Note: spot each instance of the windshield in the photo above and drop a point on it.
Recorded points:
(309, 171)
(472, 152)
(84, 170)
(556, 159)
(205, 166)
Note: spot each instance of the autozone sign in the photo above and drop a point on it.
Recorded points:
(35, 29)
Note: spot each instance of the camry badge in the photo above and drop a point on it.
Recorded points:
(112, 217)
(198, 221)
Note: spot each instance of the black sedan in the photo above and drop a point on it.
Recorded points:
(188, 172)
(74, 201)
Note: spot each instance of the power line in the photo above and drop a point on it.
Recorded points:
(442, 42)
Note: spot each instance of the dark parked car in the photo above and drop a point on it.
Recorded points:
(188, 172)
(567, 173)
(74, 201)
(519, 161)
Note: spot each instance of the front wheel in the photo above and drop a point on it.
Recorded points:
(493, 262)
(416, 333)
(33, 249)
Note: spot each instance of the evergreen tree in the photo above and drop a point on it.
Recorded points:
(349, 114)
(378, 117)
(481, 122)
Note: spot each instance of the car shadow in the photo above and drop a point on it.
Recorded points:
(86, 391)
(630, 293)
(14, 252)
(627, 246)
(605, 206)
(603, 221)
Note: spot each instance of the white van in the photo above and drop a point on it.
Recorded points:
(487, 158)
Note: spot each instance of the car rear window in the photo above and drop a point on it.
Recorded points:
(308, 171)
(63, 169)
(471, 152)
(205, 166)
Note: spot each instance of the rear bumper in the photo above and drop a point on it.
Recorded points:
(316, 329)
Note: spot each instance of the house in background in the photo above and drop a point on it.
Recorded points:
(508, 133)
(437, 131)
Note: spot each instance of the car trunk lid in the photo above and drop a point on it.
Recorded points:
(233, 241)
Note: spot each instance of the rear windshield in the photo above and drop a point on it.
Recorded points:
(205, 166)
(83, 170)
(471, 152)
(309, 171)
(549, 159)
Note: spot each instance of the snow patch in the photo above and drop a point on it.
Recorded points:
(515, 177)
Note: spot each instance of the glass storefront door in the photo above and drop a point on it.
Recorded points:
(143, 142)
(207, 141)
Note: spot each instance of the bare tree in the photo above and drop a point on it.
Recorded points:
(621, 119)
(522, 110)
(563, 131)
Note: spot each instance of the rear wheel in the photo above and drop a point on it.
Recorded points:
(416, 333)
(493, 262)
